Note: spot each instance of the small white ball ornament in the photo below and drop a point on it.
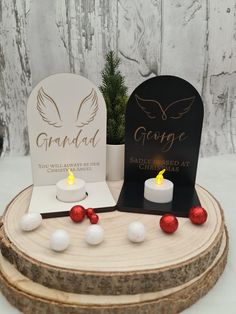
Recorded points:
(136, 232)
(94, 235)
(30, 221)
(59, 240)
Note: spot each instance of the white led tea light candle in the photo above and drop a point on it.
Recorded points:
(158, 190)
(71, 189)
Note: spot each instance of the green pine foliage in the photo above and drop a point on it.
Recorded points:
(115, 94)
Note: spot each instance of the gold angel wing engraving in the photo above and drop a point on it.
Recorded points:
(150, 107)
(48, 109)
(87, 109)
(175, 110)
(178, 108)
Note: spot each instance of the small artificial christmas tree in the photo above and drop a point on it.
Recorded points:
(115, 94)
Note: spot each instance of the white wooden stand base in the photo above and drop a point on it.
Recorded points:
(164, 274)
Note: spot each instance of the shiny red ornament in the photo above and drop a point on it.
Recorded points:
(94, 219)
(89, 212)
(169, 223)
(77, 213)
(197, 215)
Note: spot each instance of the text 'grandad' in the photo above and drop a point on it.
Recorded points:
(46, 142)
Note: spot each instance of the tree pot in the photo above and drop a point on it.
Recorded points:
(115, 162)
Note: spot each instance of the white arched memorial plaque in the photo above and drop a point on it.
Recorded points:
(67, 130)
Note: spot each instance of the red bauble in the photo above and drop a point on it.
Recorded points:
(77, 213)
(169, 223)
(197, 215)
(94, 219)
(89, 212)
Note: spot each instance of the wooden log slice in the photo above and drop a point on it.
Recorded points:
(30, 297)
(117, 266)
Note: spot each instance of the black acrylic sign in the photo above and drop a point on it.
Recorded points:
(163, 130)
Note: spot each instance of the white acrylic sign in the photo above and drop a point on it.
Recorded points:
(67, 129)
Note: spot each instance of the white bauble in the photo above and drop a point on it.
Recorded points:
(136, 232)
(94, 234)
(30, 221)
(59, 240)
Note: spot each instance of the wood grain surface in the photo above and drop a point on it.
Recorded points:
(117, 266)
(30, 297)
(193, 39)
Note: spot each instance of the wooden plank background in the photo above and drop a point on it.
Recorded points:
(194, 39)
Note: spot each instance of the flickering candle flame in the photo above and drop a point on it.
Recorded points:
(159, 177)
(71, 177)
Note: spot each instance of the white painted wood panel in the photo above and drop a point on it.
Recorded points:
(15, 76)
(183, 42)
(48, 54)
(194, 39)
(89, 29)
(139, 39)
(219, 88)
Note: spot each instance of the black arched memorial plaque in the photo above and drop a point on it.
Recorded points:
(163, 130)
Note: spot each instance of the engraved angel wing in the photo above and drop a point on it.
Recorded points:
(178, 108)
(150, 107)
(175, 110)
(87, 109)
(48, 109)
